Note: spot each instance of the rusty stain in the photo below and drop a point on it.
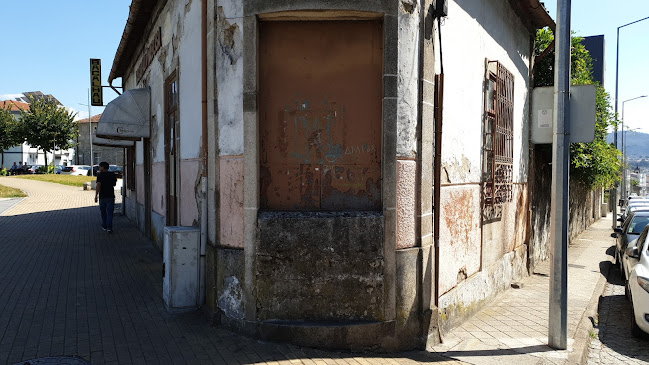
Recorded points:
(459, 217)
(320, 115)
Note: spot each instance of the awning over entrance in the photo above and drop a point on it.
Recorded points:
(105, 142)
(127, 117)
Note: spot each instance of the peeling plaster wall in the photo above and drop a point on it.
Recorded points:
(229, 75)
(460, 248)
(510, 231)
(409, 44)
(189, 192)
(478, 258)
(189, 82)
(473, 32)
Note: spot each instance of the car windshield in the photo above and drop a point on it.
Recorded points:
(637, 224)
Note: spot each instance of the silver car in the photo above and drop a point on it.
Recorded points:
(627, 235)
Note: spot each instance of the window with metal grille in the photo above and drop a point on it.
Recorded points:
(498, 143)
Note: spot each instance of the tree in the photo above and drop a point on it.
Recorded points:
(597, 163)
(8, 135)
(46, 125)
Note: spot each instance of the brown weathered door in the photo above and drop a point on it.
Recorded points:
(320, 91)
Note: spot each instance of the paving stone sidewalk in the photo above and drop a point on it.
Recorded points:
(69, 289)
(514, 328)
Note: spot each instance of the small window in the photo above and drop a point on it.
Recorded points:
(498, 137)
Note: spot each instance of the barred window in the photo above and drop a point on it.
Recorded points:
(498, 143)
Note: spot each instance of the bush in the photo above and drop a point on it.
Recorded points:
(3, 172)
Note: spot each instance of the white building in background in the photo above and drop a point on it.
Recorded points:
(27, 154)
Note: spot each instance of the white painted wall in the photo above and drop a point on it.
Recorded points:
(189, 53)
(229, 74)
(476, 31)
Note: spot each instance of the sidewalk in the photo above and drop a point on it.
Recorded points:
(69, 289)
(514, 328)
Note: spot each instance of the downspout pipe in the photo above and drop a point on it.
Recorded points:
(437, 168)
(203, 243)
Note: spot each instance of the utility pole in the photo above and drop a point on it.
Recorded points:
(558, 318)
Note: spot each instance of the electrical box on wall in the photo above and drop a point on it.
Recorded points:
(180, 255)
(439, 8)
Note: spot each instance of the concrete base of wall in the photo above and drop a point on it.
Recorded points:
(477, 291)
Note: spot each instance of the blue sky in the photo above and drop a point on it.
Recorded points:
(603, 17)
(47, 46)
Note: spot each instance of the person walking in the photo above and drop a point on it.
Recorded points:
(105, 194)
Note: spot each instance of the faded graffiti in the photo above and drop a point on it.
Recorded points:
(459, 217)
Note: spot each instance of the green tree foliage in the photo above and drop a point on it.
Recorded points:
(47, 126)
(596, 164)
(8, 135)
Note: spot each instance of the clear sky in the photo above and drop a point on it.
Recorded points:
(47, 45)
(604, 17)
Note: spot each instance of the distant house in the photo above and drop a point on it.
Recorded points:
(27, 154)
(112, 155)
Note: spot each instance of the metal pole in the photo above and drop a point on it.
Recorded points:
(624, 193)
(613, 193)
(90, 132)
(558, 318)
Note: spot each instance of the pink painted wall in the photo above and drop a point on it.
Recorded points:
(189, 185)
(231, 198)
(406, 203)
(158, 192)
(460, 238)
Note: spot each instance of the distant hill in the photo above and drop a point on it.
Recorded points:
(637, 144)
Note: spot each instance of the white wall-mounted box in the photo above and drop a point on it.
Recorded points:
(180, 288)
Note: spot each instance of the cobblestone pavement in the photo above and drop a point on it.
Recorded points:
(613, 342)
(69, 289)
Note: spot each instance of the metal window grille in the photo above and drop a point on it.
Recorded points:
(498, 141)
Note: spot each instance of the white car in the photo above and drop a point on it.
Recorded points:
(76, 170)
(638, 285)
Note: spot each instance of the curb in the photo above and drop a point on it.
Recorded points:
(581, 344)
(2, 212)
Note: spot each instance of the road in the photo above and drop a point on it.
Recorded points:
(613, 342)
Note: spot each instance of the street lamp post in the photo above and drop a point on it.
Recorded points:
(617, 68)
(624, 182)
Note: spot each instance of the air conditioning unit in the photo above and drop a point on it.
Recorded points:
(180, 288)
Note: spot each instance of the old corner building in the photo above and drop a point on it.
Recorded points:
(358, 170)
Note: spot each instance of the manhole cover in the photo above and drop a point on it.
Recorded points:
(58, 360)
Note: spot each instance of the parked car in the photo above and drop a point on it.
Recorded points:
(627, 236)
(113, 168)
(34, 169)
(624, 212)
(117, 170)
(66, 170)
(77, 170)
(638, 286)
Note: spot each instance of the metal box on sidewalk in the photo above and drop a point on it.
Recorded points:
(180, 264)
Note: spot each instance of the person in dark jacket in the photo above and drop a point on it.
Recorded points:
(105, 195)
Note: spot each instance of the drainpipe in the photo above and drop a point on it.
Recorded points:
(437, 168)
(201, 273)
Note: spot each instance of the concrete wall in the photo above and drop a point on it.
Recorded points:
(584, 206)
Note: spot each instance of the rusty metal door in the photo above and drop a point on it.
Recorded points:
(320, 93)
